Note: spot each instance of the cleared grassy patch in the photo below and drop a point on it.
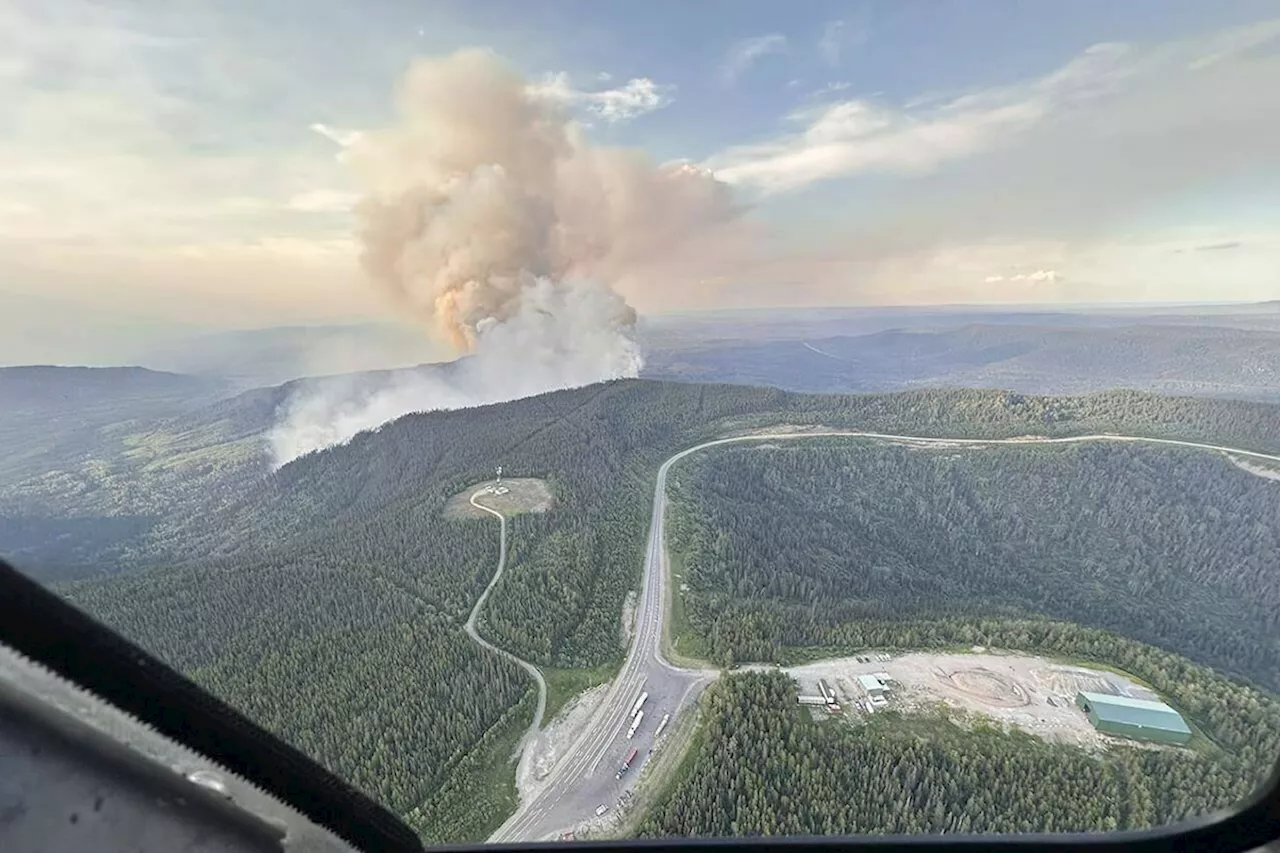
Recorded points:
(564, 684)
(524, 494)
(681, 643)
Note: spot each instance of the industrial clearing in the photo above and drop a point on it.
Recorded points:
(1033, 694)
(507, 496)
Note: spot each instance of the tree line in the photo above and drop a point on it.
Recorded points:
(783, 544)
(327, 598)
(764, 768)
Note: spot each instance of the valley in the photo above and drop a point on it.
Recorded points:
(565, 806)
(365, 565)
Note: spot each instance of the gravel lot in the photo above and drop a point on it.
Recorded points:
(1030, 693)
(523, 494)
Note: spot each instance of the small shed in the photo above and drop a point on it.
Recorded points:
(1140, 719)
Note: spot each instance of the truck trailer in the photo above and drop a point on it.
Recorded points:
(626, 762)
(635, 724)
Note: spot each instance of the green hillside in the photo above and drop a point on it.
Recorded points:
(328, 598)
(783, 544)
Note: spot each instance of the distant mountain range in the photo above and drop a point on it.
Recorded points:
(133, 445)
(256, 357)
(1176, 359)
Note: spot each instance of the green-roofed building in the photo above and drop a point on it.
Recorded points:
(1139, 719)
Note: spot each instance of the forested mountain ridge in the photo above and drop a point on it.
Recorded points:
(564, 430)
(1042, 355)
(793, 550)
(291, 596)
(782, 544)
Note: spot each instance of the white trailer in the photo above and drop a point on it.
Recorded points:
(635, 724)
(639, 703)
(661, 725)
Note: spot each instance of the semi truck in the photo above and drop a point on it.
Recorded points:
(639, 703)
(635, 724)
(626, 762)
(661, 725)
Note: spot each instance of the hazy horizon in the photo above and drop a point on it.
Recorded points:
(200, 168)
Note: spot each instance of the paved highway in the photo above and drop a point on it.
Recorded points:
(584, 778)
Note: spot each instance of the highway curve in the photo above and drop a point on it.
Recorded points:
(470, 627)
(584, 779)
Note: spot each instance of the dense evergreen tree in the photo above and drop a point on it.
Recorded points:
(764, 768)
(1171, 546)
(327, 598)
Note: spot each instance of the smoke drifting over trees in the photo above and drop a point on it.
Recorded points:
(489, 216)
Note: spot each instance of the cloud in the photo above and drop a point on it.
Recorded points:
(826, 90)
(743, 54)
(840, 34)
(638, 96)
(1233, 42)
(120, 130)
(1037, 275)
(831, 44)
(1214, 247)
(129, 181)
(323, 201)
(345, 138)
(1098, 109)
(859, 135)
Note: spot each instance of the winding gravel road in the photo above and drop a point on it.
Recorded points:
(532, 733)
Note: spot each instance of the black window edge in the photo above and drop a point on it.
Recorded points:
(58, 636)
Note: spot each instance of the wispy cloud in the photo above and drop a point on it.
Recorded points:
(841, 34)
(1217, 247)
(743, 54)
(853, 136)
(1035, 276)
(638, 96)
(118, 129)
(342, 137)
(830, 88)
(1163, 95)
(831, 45)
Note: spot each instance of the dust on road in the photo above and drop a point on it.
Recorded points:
(555, 738)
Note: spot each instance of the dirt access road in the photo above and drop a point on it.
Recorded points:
(584, 778)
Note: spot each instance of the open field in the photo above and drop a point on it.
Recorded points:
(565, 685)
(1030, 693)
(525, 494)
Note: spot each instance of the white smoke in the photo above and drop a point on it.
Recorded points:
(492, 219)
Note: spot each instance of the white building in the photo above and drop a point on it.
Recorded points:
(874, 687)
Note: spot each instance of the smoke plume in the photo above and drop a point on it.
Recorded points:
(490, 217)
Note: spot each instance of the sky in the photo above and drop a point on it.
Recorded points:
(177, 165)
